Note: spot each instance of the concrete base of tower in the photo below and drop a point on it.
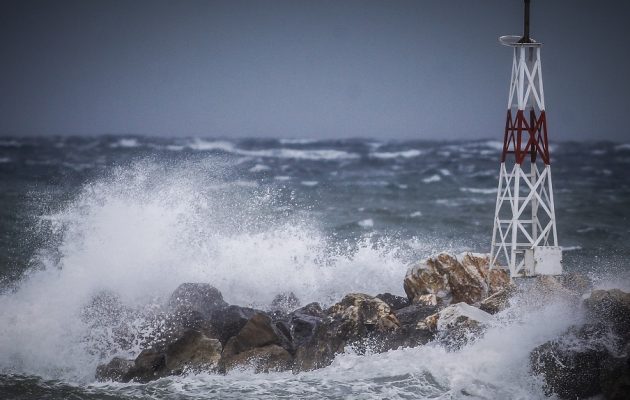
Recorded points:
(543, 260)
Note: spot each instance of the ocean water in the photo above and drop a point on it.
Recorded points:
(137, 216)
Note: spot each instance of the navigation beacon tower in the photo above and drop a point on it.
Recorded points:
(524, 237)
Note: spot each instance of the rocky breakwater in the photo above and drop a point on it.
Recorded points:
(199, 331)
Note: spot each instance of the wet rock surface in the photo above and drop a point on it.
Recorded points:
(591, 359)
(446, 279)
(450, 300)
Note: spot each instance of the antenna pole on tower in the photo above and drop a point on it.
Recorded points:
(526, 38)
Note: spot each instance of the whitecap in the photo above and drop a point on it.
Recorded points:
(432, 178)
(259, 168)
(282, 178)
(571, 248)
(297, 141)
(10, 143)
(4, 160)
(126, 143)
(416, 214)
(174, 147)
(366, 223)
(445, 172)
(205, 145)
(311, 154)
(622, 147)
(385, 155)
(479, 190)
(494, 144)
(310, 183)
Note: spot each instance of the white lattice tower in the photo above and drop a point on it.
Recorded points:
(524, 237)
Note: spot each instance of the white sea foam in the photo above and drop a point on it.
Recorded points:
(126, 143)
(297, 141)
(416, 214)
(386, 155)
(10, 143)
(309, 154)
(309, 183)
(259, 168)
(432, 179)
(366, 223)
(494, 144)
(571, 248)
(478, 190)
(175, 147)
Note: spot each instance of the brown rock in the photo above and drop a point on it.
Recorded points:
(193, 351)
(445, 279)
(361, 313)
(498, 301)
(262, 359)
(259, 331)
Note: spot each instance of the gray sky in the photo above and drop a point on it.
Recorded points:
(421, 69)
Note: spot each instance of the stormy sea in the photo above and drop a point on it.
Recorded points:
(137, 216)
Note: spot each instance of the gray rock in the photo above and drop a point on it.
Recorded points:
(611, 307)
(592, 359)
(572, 364)
(227, 322)
(116, 370)
(196, 297)
(258, 331)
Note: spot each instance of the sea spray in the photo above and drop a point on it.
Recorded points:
(141, 231)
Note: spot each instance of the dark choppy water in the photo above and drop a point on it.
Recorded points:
(137, 216)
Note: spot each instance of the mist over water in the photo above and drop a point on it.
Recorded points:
(135, 217)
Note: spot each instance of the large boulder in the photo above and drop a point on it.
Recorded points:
(193, 351)
(318, 346)
(611, 307)
(498, 301)
(457, 324)
(116, 370)
(592, 359)
(202, 298)
(358, 319)
(228, 322)
(258, 331)
(315, 345)
(576, 364)
(259, 344)
(358, 314)
(446, 279)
